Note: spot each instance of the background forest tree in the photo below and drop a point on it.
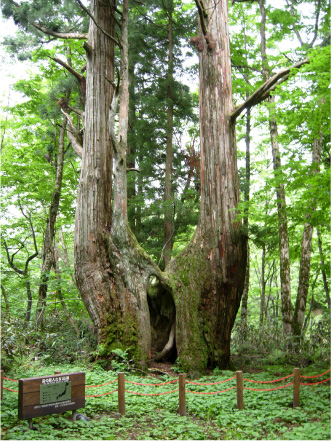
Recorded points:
(155, 144)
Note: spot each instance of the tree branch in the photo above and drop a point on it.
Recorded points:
(76, 74)
(10, 261)
(264, 91)
(75, 144)
(28, 217)
(245, 67)
(203, 15)
(316, 23)
(64, 35)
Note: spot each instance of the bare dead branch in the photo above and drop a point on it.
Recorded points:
(264, 91)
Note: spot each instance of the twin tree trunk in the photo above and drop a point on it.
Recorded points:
(131, 302)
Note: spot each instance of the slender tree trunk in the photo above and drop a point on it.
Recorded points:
(244, 300)
(48, 259)
(29, 305)
(263, 285)
(5, 297)
(168, 195)
(65, 254)
(306, 247)
(325, 279)
(131, 155)
(284, 249)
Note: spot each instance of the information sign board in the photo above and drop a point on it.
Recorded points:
(51, 394)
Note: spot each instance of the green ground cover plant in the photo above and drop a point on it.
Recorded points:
(267, 415)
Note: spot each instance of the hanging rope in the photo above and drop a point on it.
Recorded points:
(315, 376)
(151, 395)
(209, 384)
(210, 393)
(268, 390)
(313, 384)
(151, 384)
(271, 381)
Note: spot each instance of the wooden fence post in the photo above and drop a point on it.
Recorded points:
(182, 399)
(240, 390)
(1, 384)
(296, 387)
(121, 393)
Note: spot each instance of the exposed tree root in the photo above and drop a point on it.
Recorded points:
(169, 345)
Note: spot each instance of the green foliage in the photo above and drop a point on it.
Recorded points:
(267, 415)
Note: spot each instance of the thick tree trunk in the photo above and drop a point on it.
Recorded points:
(93, 213)
(112, 270)
(209, 275)
(306, 247)
(202, 288)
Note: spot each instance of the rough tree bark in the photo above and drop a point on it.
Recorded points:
(93, 212)
(112, 270)
(209, 274)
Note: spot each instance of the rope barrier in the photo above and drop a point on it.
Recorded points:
(315, 376)
(9, 379)
(210, 393)
(271, 381)
(268, 390)
(313, 384)
(151, 395)
(104, 384)
(151, 384)
(209, 384)
(11, 390)
(101, 395)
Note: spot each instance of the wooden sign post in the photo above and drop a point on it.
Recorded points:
(41, 396)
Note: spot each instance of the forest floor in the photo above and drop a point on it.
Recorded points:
(267, 414)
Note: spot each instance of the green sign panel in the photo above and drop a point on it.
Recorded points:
(55, 392)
